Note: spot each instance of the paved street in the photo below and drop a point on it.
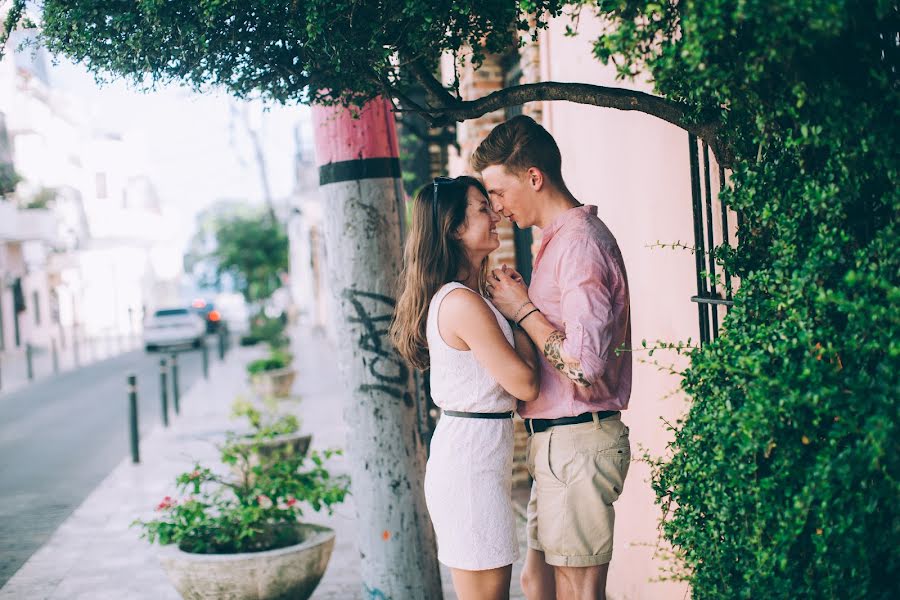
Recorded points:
(59, 438)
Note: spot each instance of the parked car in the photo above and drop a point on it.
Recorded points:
(170, 327)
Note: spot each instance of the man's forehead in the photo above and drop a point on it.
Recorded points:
(495, 177)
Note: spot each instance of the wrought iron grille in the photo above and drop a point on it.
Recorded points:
(712, 278)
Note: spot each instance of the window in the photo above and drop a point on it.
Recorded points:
(37, 307)
(101, 185)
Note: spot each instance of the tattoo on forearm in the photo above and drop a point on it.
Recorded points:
(571, 369)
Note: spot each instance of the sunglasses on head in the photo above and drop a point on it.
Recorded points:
(438, 182)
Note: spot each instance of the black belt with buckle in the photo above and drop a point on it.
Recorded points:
(538, 425)
(477, 415)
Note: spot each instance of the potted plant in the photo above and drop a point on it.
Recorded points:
(272, 376)
(242, 538)
(266, 329)
(271, 434)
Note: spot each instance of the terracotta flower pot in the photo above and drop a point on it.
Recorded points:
(292, 572)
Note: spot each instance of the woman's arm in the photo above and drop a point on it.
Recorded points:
(465, 322)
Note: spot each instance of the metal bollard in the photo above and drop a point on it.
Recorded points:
(221, 337)
(133, 418)
(205, 350)
(55, 356)
(176, 393)
(164, 390)
(28, 361)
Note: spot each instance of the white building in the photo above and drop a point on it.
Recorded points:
(102, 251)
(307, 245)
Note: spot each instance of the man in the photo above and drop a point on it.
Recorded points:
(577, 312)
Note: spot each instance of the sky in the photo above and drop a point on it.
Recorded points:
(190, 144)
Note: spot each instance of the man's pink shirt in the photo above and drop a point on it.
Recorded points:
(579, 284)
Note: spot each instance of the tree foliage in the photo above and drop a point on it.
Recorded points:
(252, 249)
(322, 51)
(783, 476)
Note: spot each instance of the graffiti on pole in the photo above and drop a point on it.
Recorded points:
(373, 314)
(374, 593)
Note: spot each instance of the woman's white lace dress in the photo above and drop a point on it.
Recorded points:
(468, 481)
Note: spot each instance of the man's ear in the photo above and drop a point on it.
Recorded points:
(535, 178)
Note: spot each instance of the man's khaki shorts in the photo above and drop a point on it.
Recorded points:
(579, 471)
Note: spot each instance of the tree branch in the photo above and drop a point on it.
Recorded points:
(583, 93)
(436, 93)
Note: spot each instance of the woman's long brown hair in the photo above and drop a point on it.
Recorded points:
(433, 256)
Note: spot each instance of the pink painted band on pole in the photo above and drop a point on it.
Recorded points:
(340, 137)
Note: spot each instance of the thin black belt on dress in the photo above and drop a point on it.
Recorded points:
(477, 415)
(538, 425)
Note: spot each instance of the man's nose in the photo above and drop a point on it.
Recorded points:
(495, 204)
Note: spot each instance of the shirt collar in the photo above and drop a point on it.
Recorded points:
(574, 213)
(577, 212)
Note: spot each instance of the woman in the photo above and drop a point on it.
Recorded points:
(479, 366)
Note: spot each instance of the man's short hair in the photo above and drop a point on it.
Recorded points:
(519, 144)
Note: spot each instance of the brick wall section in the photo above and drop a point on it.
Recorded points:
(530, 64)
(475, 84)
(488, 78)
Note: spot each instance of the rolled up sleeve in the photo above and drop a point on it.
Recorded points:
(585, 275)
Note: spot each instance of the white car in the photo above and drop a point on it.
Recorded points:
(170, 327)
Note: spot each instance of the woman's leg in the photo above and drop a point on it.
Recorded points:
(492, 584)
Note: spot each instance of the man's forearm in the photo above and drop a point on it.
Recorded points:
(550, 340)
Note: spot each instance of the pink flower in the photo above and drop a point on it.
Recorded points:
(167, 502)
(287, 503)
(195, 475)
(264, 501)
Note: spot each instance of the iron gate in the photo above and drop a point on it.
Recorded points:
(710, 286)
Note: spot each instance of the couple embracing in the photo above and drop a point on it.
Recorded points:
(495, 346)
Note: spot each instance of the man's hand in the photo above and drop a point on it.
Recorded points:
(507, 290)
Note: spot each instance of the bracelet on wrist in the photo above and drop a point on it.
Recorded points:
(529, 313)
(518, 310)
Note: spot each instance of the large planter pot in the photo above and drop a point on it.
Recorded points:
(287, 573)
(289, 443)
(275, 383)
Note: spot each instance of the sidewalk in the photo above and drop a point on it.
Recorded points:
(95, 555)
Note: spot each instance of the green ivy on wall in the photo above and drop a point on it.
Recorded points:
(782, 479)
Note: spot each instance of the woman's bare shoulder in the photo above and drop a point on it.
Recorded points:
(463, 303)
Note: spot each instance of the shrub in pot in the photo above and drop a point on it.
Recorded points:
(272, 376)
(271, 434)
(242, 537)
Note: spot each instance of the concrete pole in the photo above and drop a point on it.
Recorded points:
(359, 175)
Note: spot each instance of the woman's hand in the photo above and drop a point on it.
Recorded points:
(507, 290)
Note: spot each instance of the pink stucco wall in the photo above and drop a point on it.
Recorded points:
(635, 169)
